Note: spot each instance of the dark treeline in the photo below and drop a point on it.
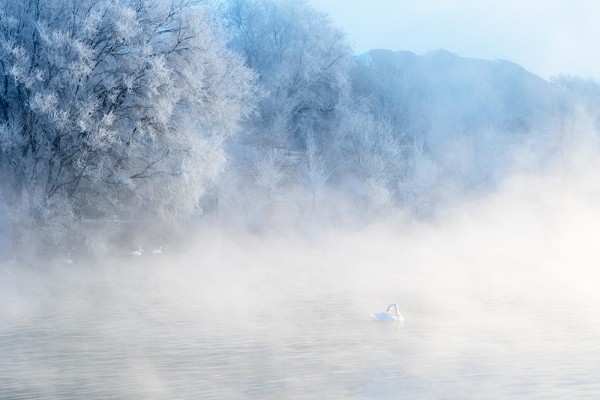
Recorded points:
(250, 112)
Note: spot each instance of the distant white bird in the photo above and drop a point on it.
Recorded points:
(391, 314)
(157, 252)
(137, 253)
(69, 259)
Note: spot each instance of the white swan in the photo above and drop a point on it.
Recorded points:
(68, 259)
(390, 314)
(157, 252)
(137, 253)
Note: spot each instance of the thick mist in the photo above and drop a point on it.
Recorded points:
(498, 292)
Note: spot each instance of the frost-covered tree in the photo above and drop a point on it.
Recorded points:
(113, 109)
(314, 173)
(302, 61)
(371, 160)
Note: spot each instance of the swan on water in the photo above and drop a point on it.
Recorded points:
(157, 252)
(69, 259)
(390, 314)
(136, 253)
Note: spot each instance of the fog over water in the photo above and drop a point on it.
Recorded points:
(499, 298)
(209, 200)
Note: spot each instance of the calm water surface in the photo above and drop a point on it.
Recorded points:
(294, 323)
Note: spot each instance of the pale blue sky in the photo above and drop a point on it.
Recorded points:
(548, 37)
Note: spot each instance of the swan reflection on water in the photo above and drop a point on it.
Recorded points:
(391, 314)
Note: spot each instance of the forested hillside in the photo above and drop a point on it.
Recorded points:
(251, 113)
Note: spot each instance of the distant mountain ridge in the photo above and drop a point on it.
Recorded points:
(443, 88)
(443, 58)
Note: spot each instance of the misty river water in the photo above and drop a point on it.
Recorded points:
(285, 319)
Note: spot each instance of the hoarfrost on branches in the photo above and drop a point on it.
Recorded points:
(114, 109)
